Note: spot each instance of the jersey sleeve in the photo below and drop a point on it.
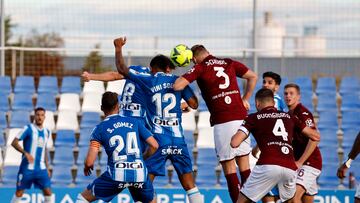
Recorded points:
(248, 125)
(298, 123)
(193, 73)
(25, 133)
(307, 119)
(187, 93)
(139, 78)
(240, 69)
(96, 135)
(144, 133)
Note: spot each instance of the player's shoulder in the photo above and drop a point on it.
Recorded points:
(301, 110)
(140, 69)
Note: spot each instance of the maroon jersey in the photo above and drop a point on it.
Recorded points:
(217, 81)
(300, 140)
(273, 131)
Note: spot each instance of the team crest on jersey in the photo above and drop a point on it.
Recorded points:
(309, 122)
(191, 70)
(40, 142)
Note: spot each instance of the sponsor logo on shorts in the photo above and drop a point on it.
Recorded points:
(129, 165)
(171, 150)
(135, 185)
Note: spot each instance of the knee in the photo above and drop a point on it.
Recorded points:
(19, 193)
(47, 192)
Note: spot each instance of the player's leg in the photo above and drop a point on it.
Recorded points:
(300, 191)
(268, 199)
(307, 198)
(222, 138)
(287, 185)
(306, 187)
(47, 195)
(183, 166)
(357, 194)
(17, 196)
(244, 167)
(85, 197)
(243, 199)
(42, 181)
(143, 192)
(24, 181)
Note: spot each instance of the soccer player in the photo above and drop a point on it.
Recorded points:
(34, 164)
(307, 154)
(273, 131)
(164, 115)
(272, 82)
(355, 150)
(120, 137)
(216, 78)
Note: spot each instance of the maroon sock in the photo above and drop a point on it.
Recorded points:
(244, 176)
(233, 186)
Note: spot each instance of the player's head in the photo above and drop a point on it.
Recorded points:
(271, 81)
(39, 116)
(161, 63)
(109, 103)
(264, 98)
(199, 53)
(292, 95)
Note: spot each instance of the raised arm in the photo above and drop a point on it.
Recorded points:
(106, 76)
(251, 79)
(355, 150)
(180, 83)
(119, 59)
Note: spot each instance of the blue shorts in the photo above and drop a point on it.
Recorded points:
(106, 189)
(177, 153)
(26, 178)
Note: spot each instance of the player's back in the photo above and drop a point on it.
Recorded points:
(219, 88)
(120, 138)
(273, 131)
(132, 101)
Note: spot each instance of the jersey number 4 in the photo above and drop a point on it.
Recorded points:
(220, 73)
(132, 147)
(279, 130)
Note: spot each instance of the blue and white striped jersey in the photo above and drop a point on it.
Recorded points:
(120, 137)
(132, 101)
(279, 103)
(34, 142)
(163, 103)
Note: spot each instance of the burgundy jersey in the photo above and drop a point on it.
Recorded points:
(273, 131)
(216, 79)
(300, 140)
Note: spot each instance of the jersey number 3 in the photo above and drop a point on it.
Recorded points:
(220, 73)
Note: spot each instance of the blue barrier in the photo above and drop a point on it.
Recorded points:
(68, 195)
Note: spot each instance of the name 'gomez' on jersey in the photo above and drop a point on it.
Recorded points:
(216, 79)
(273, 131)
(120, 137)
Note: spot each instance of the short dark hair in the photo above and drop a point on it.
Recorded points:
(293, 85)
(161, 62)
(264, 95)
(39, 109)
(273, 75)
(108, 101)
(197, 49)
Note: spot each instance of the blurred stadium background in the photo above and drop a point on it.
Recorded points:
(47, 44)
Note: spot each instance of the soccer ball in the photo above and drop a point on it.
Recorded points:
(181, 55)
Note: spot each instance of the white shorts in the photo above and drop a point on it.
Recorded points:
(306, 177)
(264, 177)
(357, 193)
(222, 137)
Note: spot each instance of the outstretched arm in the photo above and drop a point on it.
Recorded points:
(355, 150)
(180, 83)
(119, 59)
(106, 76)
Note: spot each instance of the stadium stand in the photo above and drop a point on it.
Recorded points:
(22, 102)
(94, 87)
(188, 120)
(349, 85)
(5, 85)
(48, 84)
(202, 105)
(24, 84)
(65, 138)
(67, 120)
(328, 138)
(328, 120)
(19, 119)
(350, 102)
(204, 118)
(84, 138)
(89, 119)
(47, 100)
(3, 121)
(69, 101)
(63, 156)
(49, 120)
(304, 82)
(70, 84)
(4, 102)
(326, 85)
(350, 120)
(61, 175)
(327, 102)
(116, 86)
(92, 102)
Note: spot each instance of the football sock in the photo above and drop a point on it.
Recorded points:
(195, 196)
(47, 199)
(15, 199)
(233, 186)
(244, 176)
(81, 199)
